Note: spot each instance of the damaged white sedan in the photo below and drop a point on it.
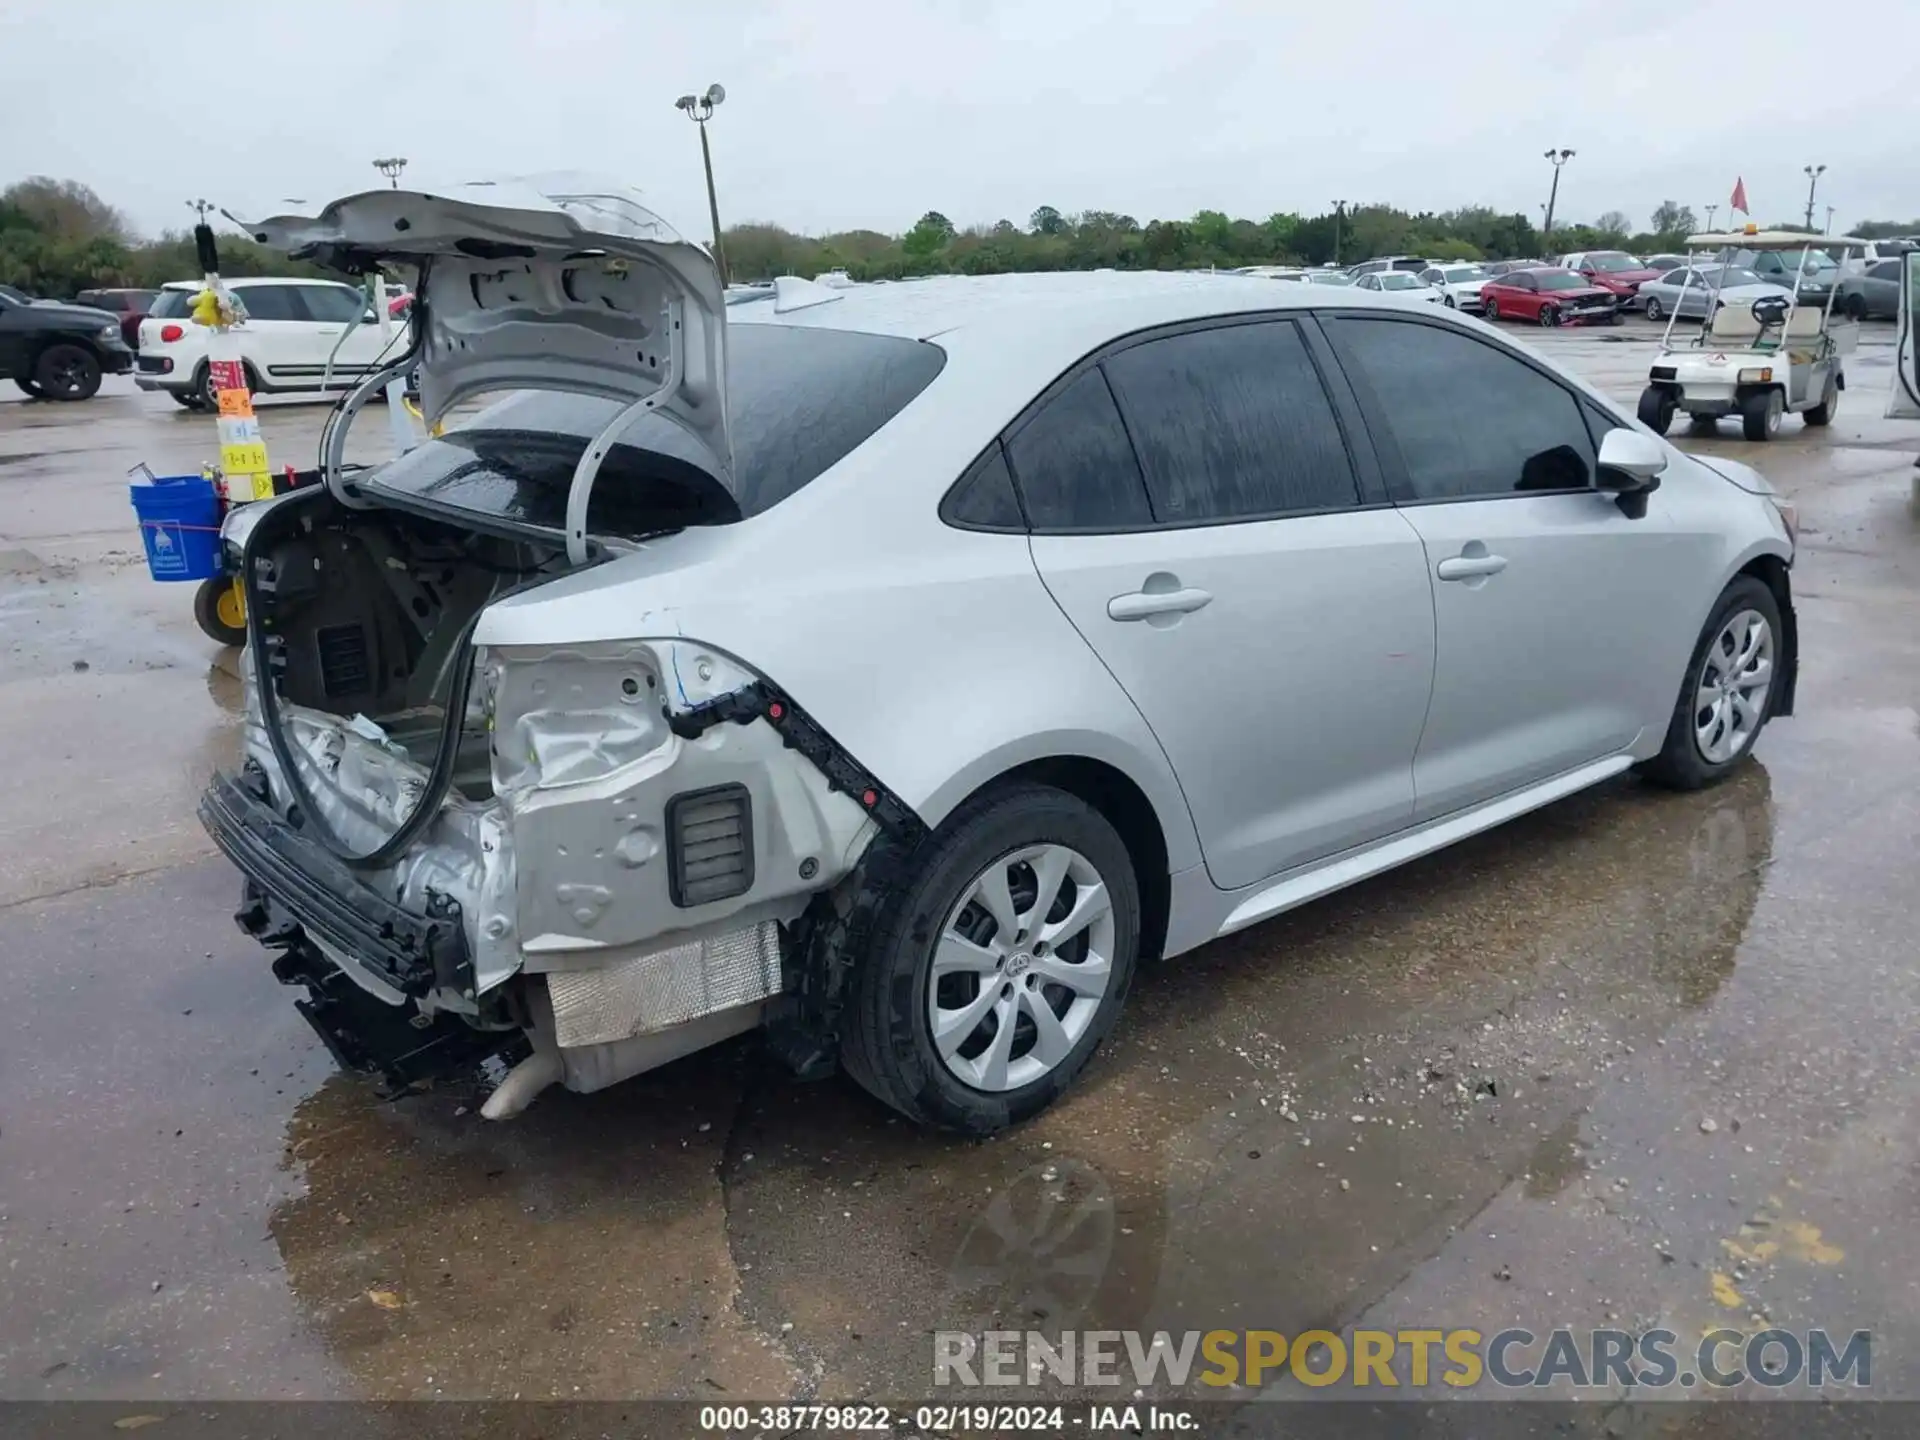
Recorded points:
(890, 668)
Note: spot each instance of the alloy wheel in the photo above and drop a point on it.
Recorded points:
(1730, 693)
(1549, 315)
(68, 377)
(1020, 968)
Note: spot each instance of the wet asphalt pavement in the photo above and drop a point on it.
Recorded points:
(1469, 1093)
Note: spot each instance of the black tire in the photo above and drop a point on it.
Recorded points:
(1549, 316)
(1656, 409)
(1655, 310)
(67, 372)
(29, 388)
(187, 401)
(1857, 307)
(1619, 317)
(1491, 313)
(1760, 415)
(1680, 765)
(1822, 414)
(1447, 300)
(886, 1042)
(210, 598)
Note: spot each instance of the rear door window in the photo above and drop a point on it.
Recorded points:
(332, 304)
(271, 302)
(171, 305)
(1232, 423)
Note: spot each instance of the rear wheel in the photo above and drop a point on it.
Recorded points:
(1760, 414)
(187, 401)
(999, 965)
(67, 372)
(1656, 408)
(1655, 311)
(1857, 307)
(1822, 414)
(1727, 696)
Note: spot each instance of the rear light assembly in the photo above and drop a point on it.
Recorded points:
(170, 333)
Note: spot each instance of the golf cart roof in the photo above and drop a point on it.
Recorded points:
(1771, 240)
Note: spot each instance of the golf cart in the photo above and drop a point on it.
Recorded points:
(1755, 359)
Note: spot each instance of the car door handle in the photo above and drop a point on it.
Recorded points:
(1470, 567)
(1144, 604)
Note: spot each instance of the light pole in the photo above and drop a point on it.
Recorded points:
(1830, 210)
(1559, 158)
(1813, 174)
(391, 168)
(1339, 213)
(1710, 210)
(699, 109)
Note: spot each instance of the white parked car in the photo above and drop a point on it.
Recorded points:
(292, 327)
(1388, 262)
(1399, 282)
(1858, 262)
(894, 668)
(1690, 290)
(1458, 285)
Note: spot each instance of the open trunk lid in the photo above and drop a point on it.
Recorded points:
(548, 283)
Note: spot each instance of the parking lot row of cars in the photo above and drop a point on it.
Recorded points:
(314, 335)
(1598, 285)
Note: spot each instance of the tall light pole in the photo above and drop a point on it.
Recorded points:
(1558, 158)
(699, 109)
(1710, 211)
(1339, 213)
(1830, 210)
(1813, 174)
(391, 168)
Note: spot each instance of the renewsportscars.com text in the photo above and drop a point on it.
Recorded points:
(1511, 1359)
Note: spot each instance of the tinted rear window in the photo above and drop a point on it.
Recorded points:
(799, 401)
(171, 305)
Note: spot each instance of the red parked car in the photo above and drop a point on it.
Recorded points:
(1613, 270)
(1549, 296)
(129, 307)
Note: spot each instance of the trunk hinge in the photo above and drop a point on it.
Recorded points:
(580, 490)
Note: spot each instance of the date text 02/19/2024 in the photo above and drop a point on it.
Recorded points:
(874, 1419)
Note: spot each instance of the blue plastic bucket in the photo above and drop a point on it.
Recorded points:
(180, 526)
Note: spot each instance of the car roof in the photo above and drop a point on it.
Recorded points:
(1088, 301)
(1014, 333)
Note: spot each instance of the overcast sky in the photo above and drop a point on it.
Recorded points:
(841, 113)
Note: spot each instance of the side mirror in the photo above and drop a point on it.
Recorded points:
(1630, 466)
